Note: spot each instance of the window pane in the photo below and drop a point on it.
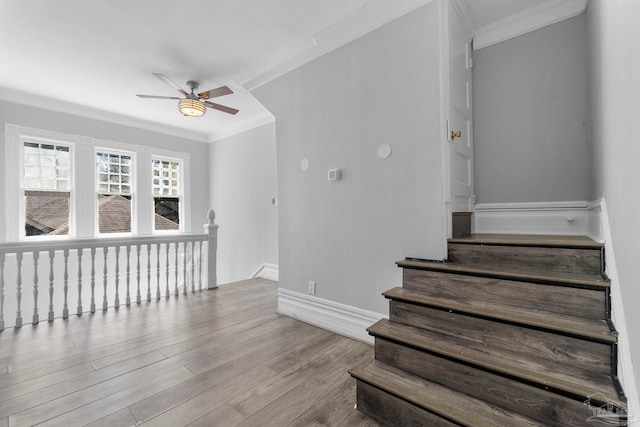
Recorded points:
(167, 213)
(46, 213)
(43, 163)
(110, 171)
(165, 184)
(114, 213)
(166, 177)
(62, 184)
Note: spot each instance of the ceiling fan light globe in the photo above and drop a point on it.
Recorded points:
(192, 107)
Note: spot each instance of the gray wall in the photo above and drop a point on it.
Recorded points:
(65, 123)
(242, 185)
(530, 115)
(336, 111)
(614, 97)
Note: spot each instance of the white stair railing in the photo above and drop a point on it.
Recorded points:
(186, 254)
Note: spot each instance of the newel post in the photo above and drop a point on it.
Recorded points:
(211, 230)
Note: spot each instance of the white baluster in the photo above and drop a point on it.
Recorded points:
(167, 268)
(200, 266)
(117, 301)
(184, 269)
(92, 308)
(36, 316)
(19, 290)
(105, 273)
(79, 308)
(148, 272)
(128, 298)
(175, 264)
(65, 289)
(2, 291)
(193, 260)
(158, 271)
(50, 315)
(138, 297)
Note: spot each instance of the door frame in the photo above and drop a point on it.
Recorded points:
(458, 7)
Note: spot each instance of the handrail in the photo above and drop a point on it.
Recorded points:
(166, 259)
(61, 244)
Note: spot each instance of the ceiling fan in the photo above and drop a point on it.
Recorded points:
(194, 104)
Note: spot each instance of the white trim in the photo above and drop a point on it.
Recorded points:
(579, 204)
(594, 221)
(556, 218)
(30, 100)
(625, 365)
(372, 15)
(465, 15)
(84, 190)
(245, 126)
(42, 134)
(445, 101)
(340, 318)
(267, 271)
(541, 15)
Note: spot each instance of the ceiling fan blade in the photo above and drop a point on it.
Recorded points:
(222, 108)
(170, 82)
(214, 93)
(158, 97)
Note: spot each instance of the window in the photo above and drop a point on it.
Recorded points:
(47, 188)
(115, 183)
(58, 185)
(166, 194)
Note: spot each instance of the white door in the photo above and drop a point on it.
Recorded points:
(459, 125)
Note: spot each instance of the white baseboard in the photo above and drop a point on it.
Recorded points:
(574, 218)
(625, 365)
(267, 271)
(594, 225)
(340, 318)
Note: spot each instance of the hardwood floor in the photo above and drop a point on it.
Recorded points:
(216, 358)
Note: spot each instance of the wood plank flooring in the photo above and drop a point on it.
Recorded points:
(216, 358)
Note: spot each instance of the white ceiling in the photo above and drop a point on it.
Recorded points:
(91, 57)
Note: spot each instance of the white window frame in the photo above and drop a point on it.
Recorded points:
(84, 185)
(181, 189)
(134, 202)
(22, 192)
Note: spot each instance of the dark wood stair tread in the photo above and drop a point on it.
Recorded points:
(552, 346)
(445, 402)
(588, 281)
(530, 369)
(598, 330)
(531, 240)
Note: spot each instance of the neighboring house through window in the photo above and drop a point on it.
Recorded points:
(47, 188)
(63, 185)
(115, 190)
(166, 194)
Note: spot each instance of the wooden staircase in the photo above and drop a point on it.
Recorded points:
(512, 330)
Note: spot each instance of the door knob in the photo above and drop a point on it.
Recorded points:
(455, 134)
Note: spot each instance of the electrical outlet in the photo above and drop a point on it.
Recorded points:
(312, 287)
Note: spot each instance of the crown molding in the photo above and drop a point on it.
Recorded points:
(245, 126)
(369, 17)
(465, 15)
(36, 101)
(547, 13)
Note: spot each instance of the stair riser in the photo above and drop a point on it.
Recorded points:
(532, 402)
(525, 258)
(578, 302)
(389, 409)
(549, 346)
